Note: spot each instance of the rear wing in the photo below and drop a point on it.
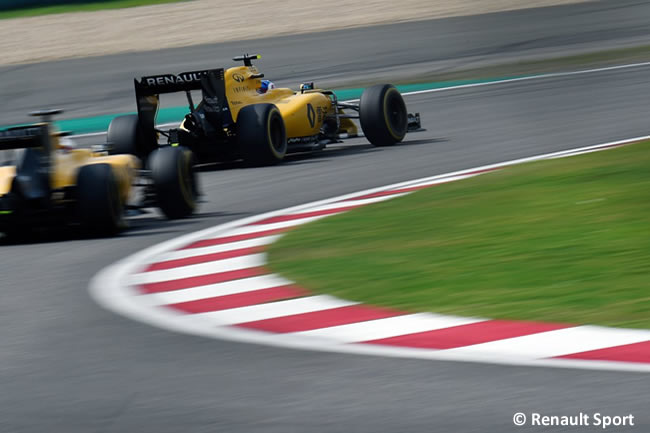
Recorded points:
(33, 166)
(148, 89)
(25, 137)
(170, 83)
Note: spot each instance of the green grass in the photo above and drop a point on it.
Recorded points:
(81, 7)
(565, 240)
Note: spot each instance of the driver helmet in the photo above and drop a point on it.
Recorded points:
(265, 86)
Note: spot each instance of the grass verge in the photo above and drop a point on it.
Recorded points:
(565, 240)
(80, 7)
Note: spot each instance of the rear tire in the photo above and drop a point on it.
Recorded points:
(174, 180)
(261, 134)
(98, 200)
(125, 136)
(382, 114)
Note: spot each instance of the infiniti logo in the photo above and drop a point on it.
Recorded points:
(238, 77)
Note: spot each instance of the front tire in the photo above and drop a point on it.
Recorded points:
(175, 181)
(382, 114)
(101, 211)
(261, 134)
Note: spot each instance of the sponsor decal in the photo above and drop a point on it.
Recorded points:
(311, 116)
(302, 140)
(161, 80)
(183, 77)
(241, 89)
(238, 77)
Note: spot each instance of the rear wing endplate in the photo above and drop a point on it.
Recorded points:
(148, 89)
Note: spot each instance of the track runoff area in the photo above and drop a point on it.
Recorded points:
(214, 283)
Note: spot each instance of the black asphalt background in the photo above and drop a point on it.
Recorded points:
(66, 365)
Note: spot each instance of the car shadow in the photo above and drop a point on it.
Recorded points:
(317, 156)
(146, 224)
(424, 141)
(335, 150)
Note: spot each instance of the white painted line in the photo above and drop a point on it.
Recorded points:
(530, 77)
(258, 228)
(220, 289)
(389, 327)
(272, 310)
(110, 289)
(557, 343)
(348, 203)
(566, 155)
(559, 154)
(89, 134)
(226, 265)
(441, 181)
(213, 249)
(97, 134)
(463, 86)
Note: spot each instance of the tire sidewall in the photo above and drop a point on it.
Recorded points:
(274, 121)
(259, 127)
(99, 206)
(125, 136)
(375, 117)
(174, 181)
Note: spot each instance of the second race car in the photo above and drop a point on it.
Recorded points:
(44, 182)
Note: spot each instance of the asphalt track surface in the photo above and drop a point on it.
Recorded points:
(66, 365)
(103, 85)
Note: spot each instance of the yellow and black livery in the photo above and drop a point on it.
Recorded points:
(235, 120)
(45, 182)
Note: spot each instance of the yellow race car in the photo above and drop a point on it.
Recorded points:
(44, 182)
(242, 116)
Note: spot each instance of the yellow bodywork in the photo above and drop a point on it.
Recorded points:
(296, 108)
(303, 113)
(7, 174)
(65, 165)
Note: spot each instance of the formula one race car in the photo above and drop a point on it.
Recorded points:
(45, 182)
(238, 118)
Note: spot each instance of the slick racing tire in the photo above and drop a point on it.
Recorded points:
(174, 181)
(261, 134)
(125, 136)
(101, 211)
(382, 114)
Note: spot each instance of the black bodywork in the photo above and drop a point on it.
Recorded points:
(30, 198)
(207, 124)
